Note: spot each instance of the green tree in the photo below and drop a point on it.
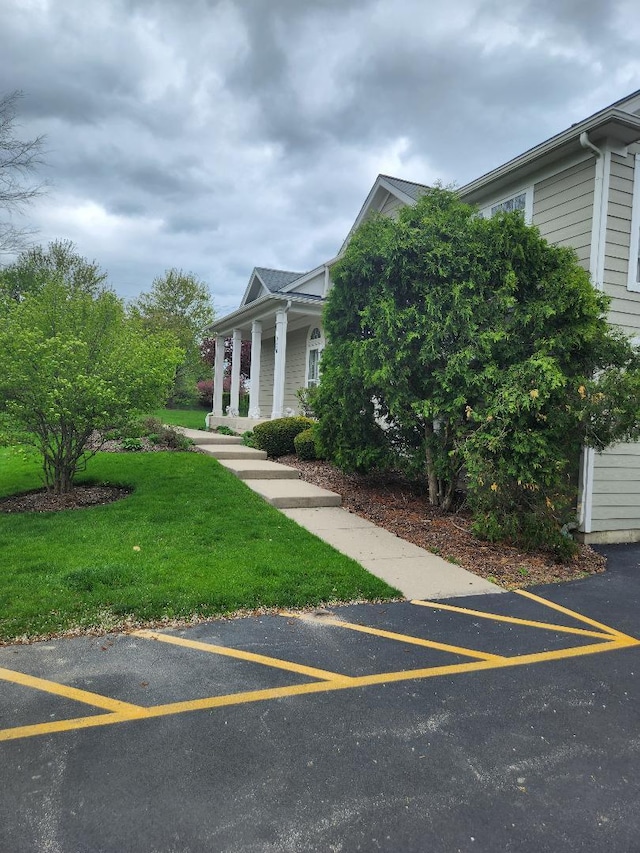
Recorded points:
(179, 303)
(73, 362)
(36, 266)
(460, 343)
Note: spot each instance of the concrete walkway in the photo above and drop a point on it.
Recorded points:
(417, 573)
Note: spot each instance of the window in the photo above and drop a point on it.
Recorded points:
(518, 202)
(315, 345)
(313, 375)
(522, 200)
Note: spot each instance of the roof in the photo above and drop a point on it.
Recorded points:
(610, 123)
(275, 280)
(410, 188)
(263, 308)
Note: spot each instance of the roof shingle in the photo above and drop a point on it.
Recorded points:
(275, 280)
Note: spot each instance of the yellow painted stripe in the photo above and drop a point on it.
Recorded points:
(404, 638)
(317, 687)
(63, 726)
(276, 663)
(73, 693)
(549, 626)
(612, 632)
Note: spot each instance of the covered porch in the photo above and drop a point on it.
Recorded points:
(280, 328)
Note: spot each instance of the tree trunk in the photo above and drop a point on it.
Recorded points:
(432, 479)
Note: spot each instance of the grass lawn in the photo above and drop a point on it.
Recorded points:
(207, 545)
(190, 418)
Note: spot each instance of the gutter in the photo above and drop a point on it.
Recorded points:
(611, 123)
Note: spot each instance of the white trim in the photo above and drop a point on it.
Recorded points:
(633, 277)
(526, 191)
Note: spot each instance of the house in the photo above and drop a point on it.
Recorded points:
(581, 188)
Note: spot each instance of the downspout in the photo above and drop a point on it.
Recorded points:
(587, 143)
(596, 270)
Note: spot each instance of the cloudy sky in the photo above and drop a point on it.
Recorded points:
(218, 136)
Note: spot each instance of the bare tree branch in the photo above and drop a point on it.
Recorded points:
(19, 159)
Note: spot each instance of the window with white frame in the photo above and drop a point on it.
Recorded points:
(633, 280)
(522, 200)
(517, 202)
(315, 345)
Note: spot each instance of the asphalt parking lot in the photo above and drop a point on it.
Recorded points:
(489, 723)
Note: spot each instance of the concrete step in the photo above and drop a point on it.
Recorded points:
(235, 451)
(200, 436)
(289, 494)
(260, 469)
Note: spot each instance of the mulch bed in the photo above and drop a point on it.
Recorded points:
(79, 498)
(396, 505)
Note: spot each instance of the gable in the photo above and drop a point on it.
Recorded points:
(265, 280)
(255, 289)
(387, 196)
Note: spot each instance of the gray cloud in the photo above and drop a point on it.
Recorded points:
(215, 136)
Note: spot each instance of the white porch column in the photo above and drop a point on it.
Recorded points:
(218, 376)
(256, 351)
(280, 361)
(235, 371)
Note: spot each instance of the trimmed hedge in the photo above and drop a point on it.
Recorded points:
(277, 437)
(305, 444)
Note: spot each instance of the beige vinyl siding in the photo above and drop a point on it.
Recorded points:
(616, 475)
(616, 494)
(294, 371)
(563, 211)
(563, 208)
(266, 377)
(625, 304)
(314, 286)
(391, 207)
(296, 364)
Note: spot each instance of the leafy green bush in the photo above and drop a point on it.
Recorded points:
(248, 439)
(151, 426)
(164, 436)
(307, 444)
(277, 436)
(169, 437)
(513, 501)
(225, 430)
(131, 444)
